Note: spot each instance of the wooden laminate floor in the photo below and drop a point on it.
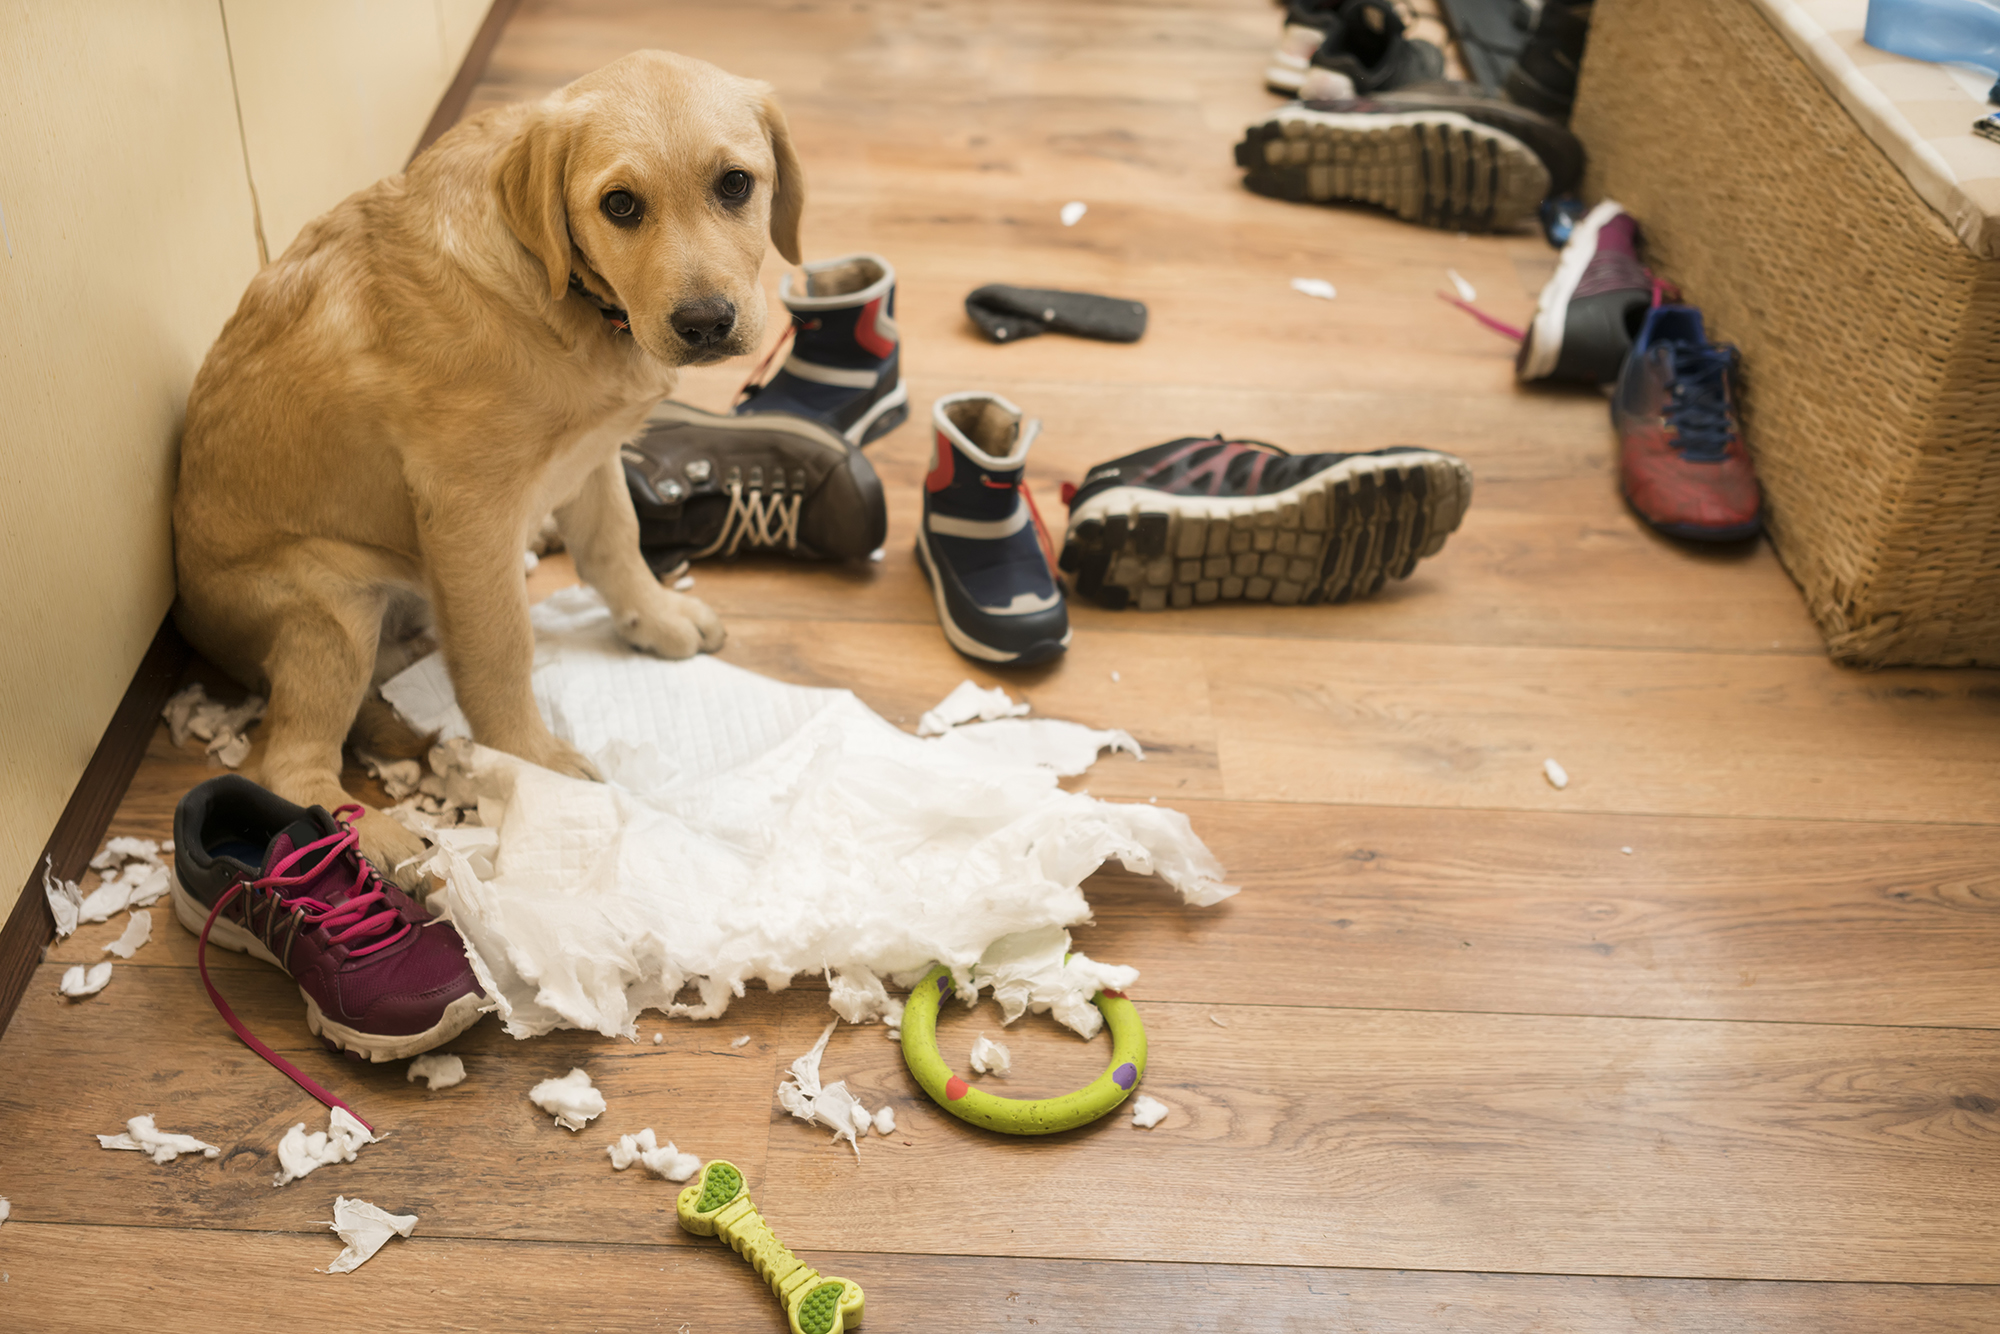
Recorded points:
(1709, 1040)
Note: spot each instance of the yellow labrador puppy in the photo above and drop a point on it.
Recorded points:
(441, 361)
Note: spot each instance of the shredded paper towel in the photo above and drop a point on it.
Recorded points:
(752, 829)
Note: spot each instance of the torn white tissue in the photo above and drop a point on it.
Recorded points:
(570, 1100)
(138, 930)
(5, 1208)
(439, 1072)
(753, 830)
(1036, 971)
(1073, 211)
(684, 583)
(1557, 775)
(192, 712)
(661, 1160)
(1318, 287)
(965, 703)
(877, 555)
(1626, 851)
(122, 849)
(78, 980)
(743, 1041)
(142, 1136)
(885, 1121)
(659, 1039)
(1466, 291)
(1116, 678)
(1148, 1112)
(137, 885)
(65, 899)
(830, 1105)
(990, 1057)
(1216, 1019)
(366, 1230)
(299, 1154)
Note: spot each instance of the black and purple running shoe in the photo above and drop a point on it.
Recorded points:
(1214, 520)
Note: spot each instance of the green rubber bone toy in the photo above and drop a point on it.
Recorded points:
(717, 1204)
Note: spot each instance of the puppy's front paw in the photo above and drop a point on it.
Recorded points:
(564, 758)
(389, 846)
(674, 626)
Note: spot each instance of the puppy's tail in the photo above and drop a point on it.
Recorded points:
(380, 730)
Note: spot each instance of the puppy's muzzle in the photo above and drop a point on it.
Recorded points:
(705, 324)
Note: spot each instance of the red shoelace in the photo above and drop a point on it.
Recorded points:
(366, 922)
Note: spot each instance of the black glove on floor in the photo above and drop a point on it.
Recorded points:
(1009, 314)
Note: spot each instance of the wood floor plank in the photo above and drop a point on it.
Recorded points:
(1448, 1141)
(74, 1280)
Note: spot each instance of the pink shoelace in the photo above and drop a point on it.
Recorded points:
(363, 921)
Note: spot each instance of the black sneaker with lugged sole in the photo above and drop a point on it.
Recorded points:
(1441, 154)
(1194, 521)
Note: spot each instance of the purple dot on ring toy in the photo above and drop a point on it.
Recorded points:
(1125, 1076)
(944, 983)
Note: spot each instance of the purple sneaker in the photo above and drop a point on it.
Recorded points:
(285, 883)
(1592, 308)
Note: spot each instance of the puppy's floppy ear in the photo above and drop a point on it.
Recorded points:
(788, 199)
(528, 178)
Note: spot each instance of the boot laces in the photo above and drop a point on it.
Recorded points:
(1699, 407)
(761, 518)
(751, 387)
(364, 921)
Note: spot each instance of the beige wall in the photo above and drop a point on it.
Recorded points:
(127, 233)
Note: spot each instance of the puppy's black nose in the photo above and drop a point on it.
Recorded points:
(706, 322)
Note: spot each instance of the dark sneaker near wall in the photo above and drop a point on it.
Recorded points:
(1206, 520)
(705, 485)
(1592, 307)
(844, 369)
(1544, 75)
(1439, 155)
(287, 884)
(1366, 45)
(983, 547)
(1681, 460)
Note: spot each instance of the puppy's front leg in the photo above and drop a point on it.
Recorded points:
(602, 533)
(472, 558)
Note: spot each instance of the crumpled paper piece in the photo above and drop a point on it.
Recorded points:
(79, 980)
(773, 830)
(138, 930)
(832, 1105)
(300, 1154)
(222, 726)
(5, 1209)
(366, 1230)
(438, 1071)
(662, 1160)
(162, 1146)
(967, 703)
(990, 1057)
(65, 899)
(885, 1121)
(571, 1099)
(1148, 1112)
(1036, 972)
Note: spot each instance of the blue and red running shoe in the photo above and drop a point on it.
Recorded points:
(1208, 520)
(1681, 460)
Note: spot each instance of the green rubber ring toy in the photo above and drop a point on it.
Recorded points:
(1021, 1116)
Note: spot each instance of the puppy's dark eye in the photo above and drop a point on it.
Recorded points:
(621, 207)
(734, 185)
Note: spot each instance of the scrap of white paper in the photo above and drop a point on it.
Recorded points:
(1557, 775)
(1147, 1112)
(365, 1229)
(830, 1105)
(570, 1100)
(1466, 291)
(1318, 287)
(299, 1154)
(990, 1057)
(142, 1136)
(438, 1071)
(885, 1121)
(662, 1160)
(138, 930)
(65, 899)
(743, 1041)
(1073, 211)
(78, 980)
(965, 703)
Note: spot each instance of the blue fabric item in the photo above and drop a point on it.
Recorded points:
(1963, 32)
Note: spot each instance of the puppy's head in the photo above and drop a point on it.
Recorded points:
(655, 181)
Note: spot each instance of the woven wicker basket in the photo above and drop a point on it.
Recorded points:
(1870, 334)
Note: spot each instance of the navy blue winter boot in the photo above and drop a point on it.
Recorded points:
(843, 371)
(982, 544)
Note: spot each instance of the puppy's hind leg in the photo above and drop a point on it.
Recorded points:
(318, 667)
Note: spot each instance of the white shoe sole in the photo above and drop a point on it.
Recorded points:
(1437, 168)
(1545, 335)
(458, 1016)
(956, 637)
(857, 434)
(1337, 535)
